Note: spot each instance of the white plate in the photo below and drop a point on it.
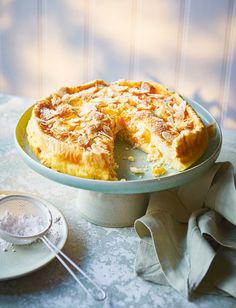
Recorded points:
(25, 259)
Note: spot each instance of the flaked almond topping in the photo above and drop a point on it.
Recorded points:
(86, 108)
(118, 88)
(97, 148)
(62, 91)
(145, 86)
(97, 100)
(183, 105)
(123, 99)
(104, 134)
(83, 140)
(167, 136)
(74, 120)
(98, 115)
(144, 113)
(64, 110)
(110, 92)
(166, 101)
(87, 91)
(159, 96)
(170, 119)
(131, 158)
(136, 170)
(46, 113)
(109, 100)
(184, 132)
(144, 106)
(138, 91)
(56, 100)
(65, 97)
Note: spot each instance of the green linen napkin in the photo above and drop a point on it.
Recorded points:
(188, 235)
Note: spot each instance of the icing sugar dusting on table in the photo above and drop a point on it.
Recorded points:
(5, 246)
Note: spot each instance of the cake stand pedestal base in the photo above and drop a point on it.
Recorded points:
(111, 210)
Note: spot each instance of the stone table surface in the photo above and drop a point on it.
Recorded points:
(107, 255)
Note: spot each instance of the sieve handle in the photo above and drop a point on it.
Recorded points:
(99, 294)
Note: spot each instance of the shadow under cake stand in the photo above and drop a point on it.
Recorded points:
(120, 203)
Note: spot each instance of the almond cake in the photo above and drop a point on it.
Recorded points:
(73, 130)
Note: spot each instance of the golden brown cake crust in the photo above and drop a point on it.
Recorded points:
(73, 130)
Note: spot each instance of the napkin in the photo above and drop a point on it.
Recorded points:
(188, 235)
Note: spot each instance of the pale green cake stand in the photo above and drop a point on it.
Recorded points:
(119, 203)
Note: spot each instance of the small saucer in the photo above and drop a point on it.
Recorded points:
(17, 260)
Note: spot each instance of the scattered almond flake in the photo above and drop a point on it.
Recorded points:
(184, 132)
(131, 158)
(74, 120)
(183, 105)
(177, 107)
(87, 108)
(158, 171)
(151, 157)
(66, 97)
(87, 91)
(5, 246)
(144, 106)
(97, 100)
(56, 100)
(123, 180)
(44, 122)
(47, 113)
(96, 148)
(119, 81)
(64, 110)
(62, 91)
(135, 100)
(138, 91)
(123, 99)
(118, 88)
(146, 86)
(106, 135)
(157, 95)
(167, 136)
(136, 170)
(109, 100)
(110, 92)
(179, 114)
(160, 111)
(170, 119)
